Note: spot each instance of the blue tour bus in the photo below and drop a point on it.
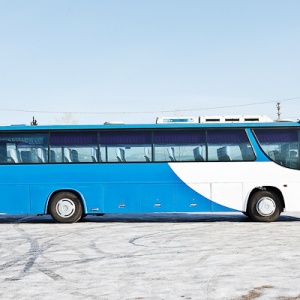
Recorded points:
(72, 171)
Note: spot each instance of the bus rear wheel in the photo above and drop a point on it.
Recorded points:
(264, 206)
(65, 207)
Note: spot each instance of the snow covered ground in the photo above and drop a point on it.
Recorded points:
(139, 257)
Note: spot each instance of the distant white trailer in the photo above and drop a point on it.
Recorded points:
(176, 120)
(234, 119)
(213, 119)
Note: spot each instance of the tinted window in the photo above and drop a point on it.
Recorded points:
(229, 145)
(125, 146)
(23, 148)
(280, 145)
(73, 147)
(179, 145)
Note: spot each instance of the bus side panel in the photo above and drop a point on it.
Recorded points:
(14, 199)
(292, 197)
(38, 198)
(157, 197)
(188, 200)
(121, 198)
(232, 192)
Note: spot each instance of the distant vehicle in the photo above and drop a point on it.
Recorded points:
(215, 119)
(77, 170)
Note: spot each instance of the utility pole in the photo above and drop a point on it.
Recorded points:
(278, 110)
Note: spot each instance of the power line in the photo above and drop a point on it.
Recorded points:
(146, 112)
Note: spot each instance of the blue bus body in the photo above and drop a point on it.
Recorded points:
(154, 186)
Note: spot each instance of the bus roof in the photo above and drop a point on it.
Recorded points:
(148, 126)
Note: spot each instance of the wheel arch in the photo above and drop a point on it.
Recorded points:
(75, 192)
(271, 189)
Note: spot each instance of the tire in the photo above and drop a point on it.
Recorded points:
(65, 207)
(82, 217)
(264, 206)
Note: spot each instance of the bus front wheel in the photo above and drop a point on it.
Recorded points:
(65, 207)
(264, 206)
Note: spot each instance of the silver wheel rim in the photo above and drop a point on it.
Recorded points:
(65, 208)
(266, 206)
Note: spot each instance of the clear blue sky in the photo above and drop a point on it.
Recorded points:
(133, 60)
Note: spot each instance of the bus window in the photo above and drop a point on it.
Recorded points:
(127, 146)
(3, 153)
(23, 148)
(229, 145)
(73, 147)
(280, 145)
(178, 145)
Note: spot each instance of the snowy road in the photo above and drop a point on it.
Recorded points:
(169, 256)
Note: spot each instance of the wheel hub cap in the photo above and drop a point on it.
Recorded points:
(266, 206)
(65, 208)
